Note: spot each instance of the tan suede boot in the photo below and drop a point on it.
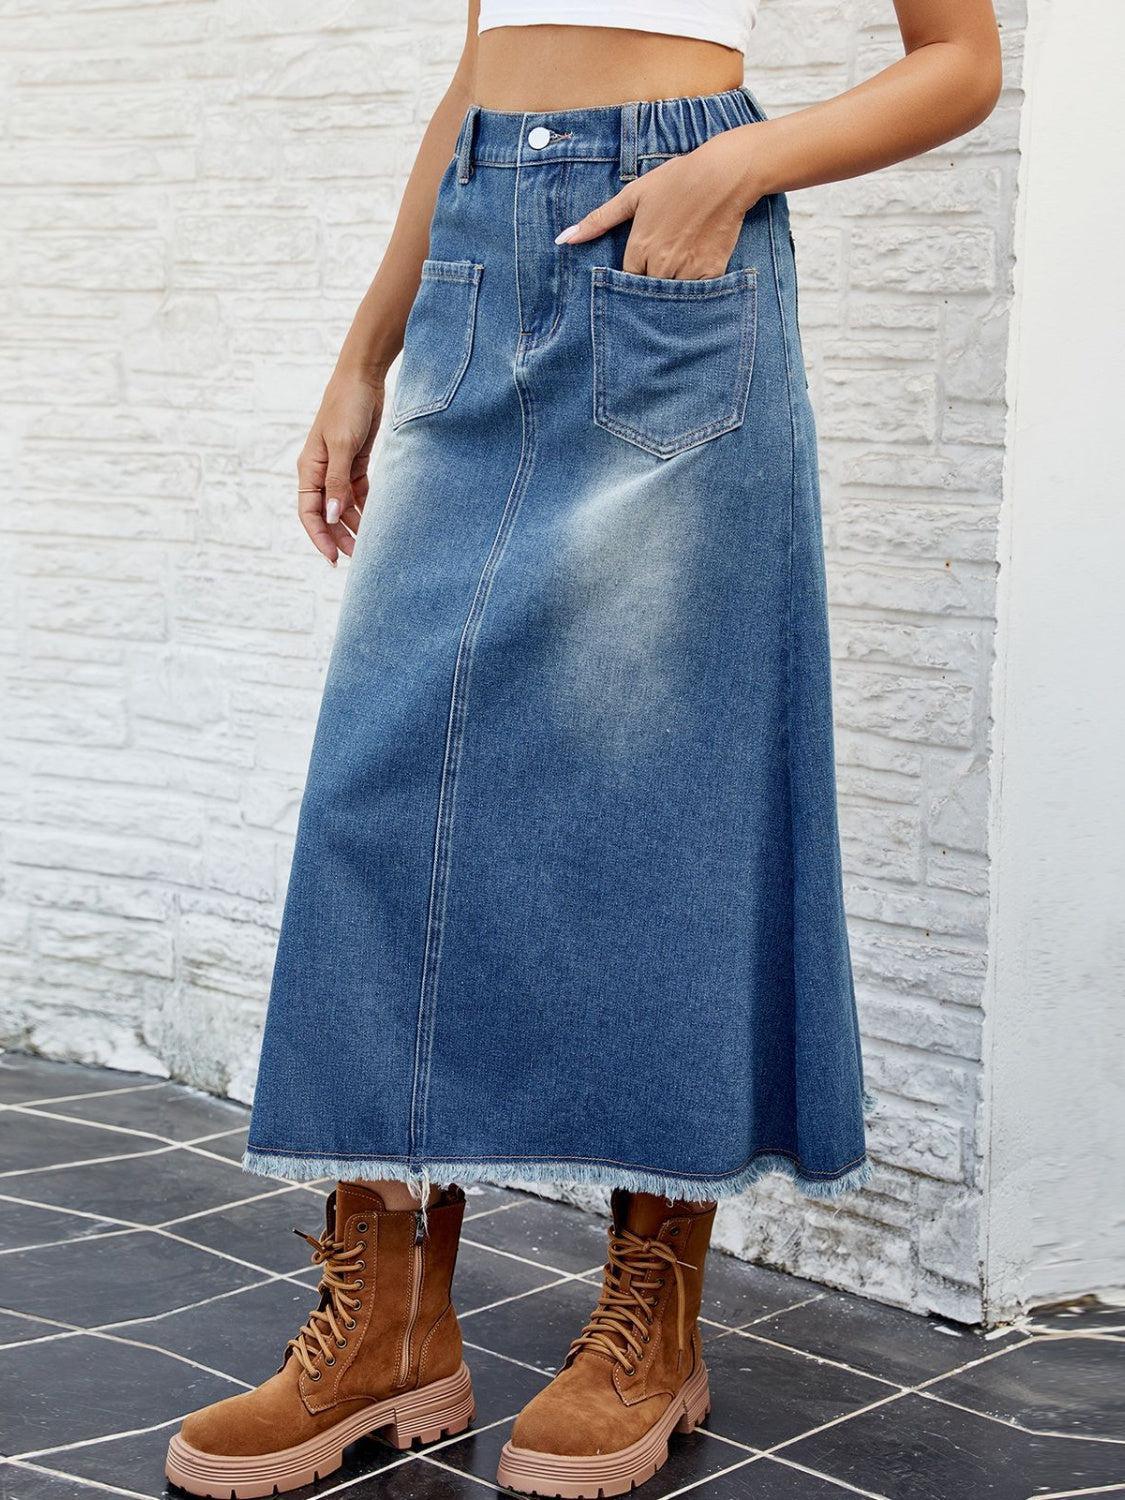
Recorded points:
(381, 1352)
(634, 1374)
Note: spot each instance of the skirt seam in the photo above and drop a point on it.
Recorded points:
(789, 779)
(458, 713)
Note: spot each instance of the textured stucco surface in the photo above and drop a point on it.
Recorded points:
(192, 197)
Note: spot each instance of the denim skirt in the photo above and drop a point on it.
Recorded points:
(566, 898)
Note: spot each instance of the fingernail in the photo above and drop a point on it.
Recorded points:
(331, 561)
(567, 235)
(332, 512)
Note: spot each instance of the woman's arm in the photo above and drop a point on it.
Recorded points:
(687, 213)
(332, 468)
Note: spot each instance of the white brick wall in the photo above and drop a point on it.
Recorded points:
(192, 197)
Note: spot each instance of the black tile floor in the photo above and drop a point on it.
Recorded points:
(142, 1274)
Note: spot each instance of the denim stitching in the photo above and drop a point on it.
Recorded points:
(439, 883)
(702, 290)
(565, 261)
(695, 437)
(545, 160)
(449, 272)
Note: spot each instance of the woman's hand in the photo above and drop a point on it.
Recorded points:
(332, 468)
(687, 213)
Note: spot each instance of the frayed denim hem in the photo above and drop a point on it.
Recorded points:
(592, 1174)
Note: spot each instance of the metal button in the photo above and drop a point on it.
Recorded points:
(539, 137)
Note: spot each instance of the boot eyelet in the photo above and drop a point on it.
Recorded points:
(632, 1370)
(359, 1285)
(674, 1230)
(315, 1375)
(341, 1343)
(349, 1324)
(362, 1226)
(361, 1265)
(330, 1362)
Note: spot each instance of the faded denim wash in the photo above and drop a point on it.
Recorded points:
(566, 901)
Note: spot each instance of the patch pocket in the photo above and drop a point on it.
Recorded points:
(439, 339)
(672, 359)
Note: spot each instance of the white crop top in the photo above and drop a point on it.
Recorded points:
(728, 22)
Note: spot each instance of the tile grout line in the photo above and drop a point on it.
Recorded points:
(971, 1364)
(387, 1468)
(780, 1312)
(132, 1088)
(509, 1359)
(538, 1265)
(820, 1359)
(791, 1463)
(164, 1226)
(760, 1317)
(185, 1359)
(1117, 1488)
(488, 1484)
(93, 1161)
(761, 1457)
(202, 1213)
(414, 1458)
(74, 1239)
(69, 1330)
(94, 1442)
(95, 1484)
(500, 1208)
(729, 1442)
(268, 1278)
(1017, 1426)
(73, 1330)
(687, 1489)
(130, 1226)
(149, 1135)
(534, 1291)
(846, 1416)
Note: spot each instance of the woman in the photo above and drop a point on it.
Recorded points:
(566, 898)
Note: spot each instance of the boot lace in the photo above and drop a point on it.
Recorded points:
(620, 1324)
(325, 1328)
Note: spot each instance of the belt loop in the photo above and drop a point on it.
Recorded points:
(465, 145)
(630, 123)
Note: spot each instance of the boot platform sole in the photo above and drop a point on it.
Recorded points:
(441, 1409)
(590, 1476)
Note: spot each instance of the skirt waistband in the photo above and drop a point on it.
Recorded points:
(627, 133)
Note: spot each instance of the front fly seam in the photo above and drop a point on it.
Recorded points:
(516, 233)
(565, 262)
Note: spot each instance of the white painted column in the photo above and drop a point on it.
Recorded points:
(1055, 1061)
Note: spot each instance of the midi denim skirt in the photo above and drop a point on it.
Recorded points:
(566, 898)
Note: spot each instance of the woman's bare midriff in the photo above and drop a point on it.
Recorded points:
(579, 67)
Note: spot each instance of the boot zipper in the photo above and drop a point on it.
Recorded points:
(415, 1295)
